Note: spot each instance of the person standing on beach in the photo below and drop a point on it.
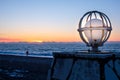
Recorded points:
(27, 52)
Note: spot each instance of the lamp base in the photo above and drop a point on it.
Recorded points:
(95, 49)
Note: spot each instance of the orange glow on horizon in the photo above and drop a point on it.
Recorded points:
(51, 38)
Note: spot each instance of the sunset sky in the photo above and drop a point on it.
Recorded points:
(51, 20)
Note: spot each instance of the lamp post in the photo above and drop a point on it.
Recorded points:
(94, 29)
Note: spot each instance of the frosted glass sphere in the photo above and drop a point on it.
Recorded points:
(94, 23)
(94, 31)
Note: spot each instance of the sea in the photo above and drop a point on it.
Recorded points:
(46, 49)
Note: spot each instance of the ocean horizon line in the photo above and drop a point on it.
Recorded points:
(54, 42)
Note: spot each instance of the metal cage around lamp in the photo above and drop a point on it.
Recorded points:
(94, 29)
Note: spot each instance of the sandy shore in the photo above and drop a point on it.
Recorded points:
(14, 67)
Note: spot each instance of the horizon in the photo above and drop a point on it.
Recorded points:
(51, 21)
(56, 42)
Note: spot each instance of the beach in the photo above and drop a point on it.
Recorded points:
(18, 67)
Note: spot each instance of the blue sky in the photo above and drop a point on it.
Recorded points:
(51, 20)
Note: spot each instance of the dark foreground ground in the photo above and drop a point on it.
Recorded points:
(24, 67)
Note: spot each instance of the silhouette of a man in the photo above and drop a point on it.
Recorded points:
(27, 53)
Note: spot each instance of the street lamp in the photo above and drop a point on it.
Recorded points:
(94, 29)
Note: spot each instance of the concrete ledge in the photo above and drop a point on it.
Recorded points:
(85, 66)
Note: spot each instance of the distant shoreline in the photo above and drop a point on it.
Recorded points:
(51, 42)
(24, 55)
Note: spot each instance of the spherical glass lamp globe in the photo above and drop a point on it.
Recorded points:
(94, 29)
(94, 36)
